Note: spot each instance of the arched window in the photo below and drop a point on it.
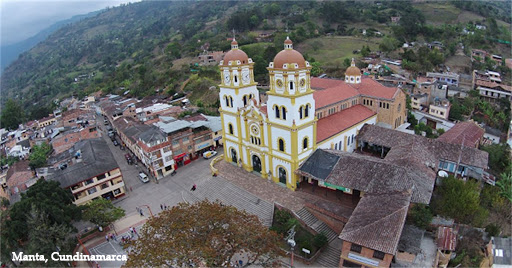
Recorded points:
(227, 101)
(348, 141)
(305, 143)
(277, 111)
(230, 126)
(231, 100)
(352, 139)
(300, 112)
(236, 79)
(281, 145)
(284, 112)
(399, 106)
(291, 85)
(306, 111)
(245, 100)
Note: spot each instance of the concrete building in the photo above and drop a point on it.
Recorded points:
(89, 171)
(450, 78)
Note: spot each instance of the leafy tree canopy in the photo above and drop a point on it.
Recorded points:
(204, 233)
(12, 115)
(39, 155)
(102, 212)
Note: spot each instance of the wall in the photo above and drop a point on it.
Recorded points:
(366, 253)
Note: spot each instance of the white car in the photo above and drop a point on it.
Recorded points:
(143, 177)
(209, 154)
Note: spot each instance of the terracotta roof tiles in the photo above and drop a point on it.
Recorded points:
(335, 123)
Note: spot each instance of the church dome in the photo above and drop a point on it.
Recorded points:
(235, 54)
(289, 55)
(353, 70)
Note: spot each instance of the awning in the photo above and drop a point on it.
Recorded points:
(179, 156)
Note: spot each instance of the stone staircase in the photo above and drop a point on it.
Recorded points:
(330, 257)
(230, 194)
(314, 223)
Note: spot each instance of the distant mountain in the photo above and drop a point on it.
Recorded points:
(9, 53)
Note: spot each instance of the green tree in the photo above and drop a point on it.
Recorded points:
(12, 115)
(460, 200)
(420, 215)
(49, 200)
(505, 185)
(388, 44)
(316, 68)
(499, 158)
(102, 212)
(39, 155)
(204, 233)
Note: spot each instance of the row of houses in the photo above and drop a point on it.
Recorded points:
(151, 130)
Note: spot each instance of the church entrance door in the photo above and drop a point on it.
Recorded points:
(256, 164)
(282, 175)
(233, 156)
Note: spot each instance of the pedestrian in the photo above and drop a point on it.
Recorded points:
(241, 263)
(161, 207)
(111, 236)
(193, 187)
(131, 230)
(115, 237)
(106, 237)
(165, 207)
(141, 214)
(135, 231)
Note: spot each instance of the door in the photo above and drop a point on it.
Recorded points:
(233, 156)
(282, 175)
(256, 164)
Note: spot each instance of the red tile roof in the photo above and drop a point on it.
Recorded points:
(468, 132)
(329, 91)
(335, 123)
(263, 109)
(446, 238)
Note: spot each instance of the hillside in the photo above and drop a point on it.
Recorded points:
(146, 48)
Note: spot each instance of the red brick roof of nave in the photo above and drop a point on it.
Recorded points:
(329, 91)
(335, 123)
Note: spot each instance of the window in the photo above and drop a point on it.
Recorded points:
(92, 190)
(399, 106)
(231, 101)
(378, 254)
(101, 177)
(277, 111)
(352, 139)
(175, 142)
(227, 101)
(117, 191)
(284, 112)
(89, 181)
(306, 111)
(245, 100)
(166, 149)
(236, 79)
(103, 186)
(348, 142)
(351, 264)
(305, 143)
(355, 248)
(300, 112)
(185, 139)
(336, 146)
(178, 152)
(291, 85)
(387, 105)
(281, 145)
(230, 126)
(189, 147)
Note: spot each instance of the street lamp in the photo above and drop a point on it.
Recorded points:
(292, 244)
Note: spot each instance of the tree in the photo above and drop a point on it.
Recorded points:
(388, 44)
(39, 155)
(460, 200)
(505, 185)
(420, 215)
(316, 68)
(12, 115)
(102, 212)
(203, 233)
(48, 198)
(44, 203)
(499, 157)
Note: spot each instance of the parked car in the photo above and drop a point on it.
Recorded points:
(209, 154)
(111, 133)
(128, 159)
(115, 143)
(143, 177)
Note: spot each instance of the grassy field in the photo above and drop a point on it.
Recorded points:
(438, 13)
(330, 51)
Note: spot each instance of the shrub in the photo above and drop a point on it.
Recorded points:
(319, 240)
(421, 216)
(493, 229)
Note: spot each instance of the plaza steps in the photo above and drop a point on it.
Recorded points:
(230, 194)
(317, 225)
(330, 257)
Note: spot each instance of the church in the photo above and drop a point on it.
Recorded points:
(301, 113)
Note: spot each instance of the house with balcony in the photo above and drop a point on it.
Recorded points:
(450, 78)
(89, 171)
(156, 152)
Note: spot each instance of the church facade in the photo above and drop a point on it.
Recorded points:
(272, 139)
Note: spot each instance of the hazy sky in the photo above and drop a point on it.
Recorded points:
(21, 19)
